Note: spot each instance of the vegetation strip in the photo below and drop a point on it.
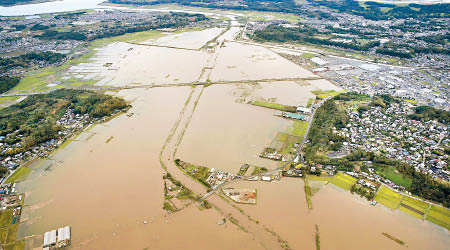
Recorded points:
(393, 238)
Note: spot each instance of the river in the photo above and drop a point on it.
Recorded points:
(49, 7)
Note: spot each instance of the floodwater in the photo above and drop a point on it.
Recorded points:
(286, 92)
(345, 221)
(108, 181)
(224, 133)
(189, 40)
(97, 186)
(131, 64)
(238, 62)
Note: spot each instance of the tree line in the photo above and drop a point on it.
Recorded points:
(33, 120)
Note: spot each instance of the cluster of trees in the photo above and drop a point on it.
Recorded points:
(7, 83)
(35, 117)
(173, 20)
(23, 61)
(422, 185)
(395, 53)
(373, 11)
(426, 113)
(306, 34)
(57, 35)
(29, 59)
(327, 116)
(285, 6)
(363, 191)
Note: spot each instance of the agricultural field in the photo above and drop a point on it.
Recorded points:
(8, 231)
(19, 175)
(414, 207)
(319, 178)
(197, 172)
(343, 181)
(276, 106)
(439, 216)
(389, 198)
(322, 94)
(300, 128)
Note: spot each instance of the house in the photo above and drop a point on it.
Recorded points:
(265, 178)
(303, 110)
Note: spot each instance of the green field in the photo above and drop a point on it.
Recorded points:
(411, 101)
(18, 245)
(8, 231)
(276, 106)
(198, 172)
(307, 55)
(310, 102)
(439, 216)
(19, 175)
(282, 136)
(413, 207)
(6, 218)
(300, 128)
(319, 178)
(8, 99)
(322, 94)
(259, 170)
(343, 181)
(389, 198)
(392, 174)
(3, 234)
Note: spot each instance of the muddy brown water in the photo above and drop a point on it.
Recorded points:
(345, 221)
(106, 190)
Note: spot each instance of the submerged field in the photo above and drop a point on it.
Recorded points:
(115, 170)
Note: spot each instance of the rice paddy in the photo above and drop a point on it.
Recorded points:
(439, 216)
(276, 106)
(343, 181)
(388, 197)
(414, 207)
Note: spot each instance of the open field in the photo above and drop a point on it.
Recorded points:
(439, 216)
(319, 178)
(276, 106)
(343, 181)
(413, 207)
(19, 175)
(388, 197)
(8, 231)
(392, 174)
(299, 128)
(322, 94)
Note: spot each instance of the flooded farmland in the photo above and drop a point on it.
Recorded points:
(345, 221)
(107, 184)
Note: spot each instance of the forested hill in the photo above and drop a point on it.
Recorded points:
(370, 10)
